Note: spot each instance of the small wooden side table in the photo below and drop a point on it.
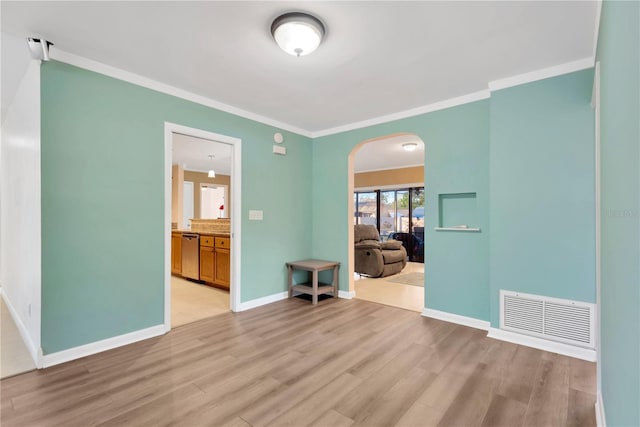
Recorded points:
(313, 288)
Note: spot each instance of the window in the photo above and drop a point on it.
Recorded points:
(396, 213)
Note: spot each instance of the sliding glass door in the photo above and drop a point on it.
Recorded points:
(417, 224)
(398, 214)
(366, 211)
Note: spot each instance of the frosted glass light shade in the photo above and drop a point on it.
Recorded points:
(297, 33)
(212, 174)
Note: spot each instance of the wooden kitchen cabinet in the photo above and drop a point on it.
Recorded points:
(215, 259)
(222, 270)
(207, 262)
(223, 261)
(176, 253)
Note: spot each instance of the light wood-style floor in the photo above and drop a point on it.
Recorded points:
(382, 291)
(341, 363)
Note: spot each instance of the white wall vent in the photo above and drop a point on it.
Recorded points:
(566, 321)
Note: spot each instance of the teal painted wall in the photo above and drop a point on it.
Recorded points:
(618, 53)
(103, 203)
(543, 190)
(456, 161)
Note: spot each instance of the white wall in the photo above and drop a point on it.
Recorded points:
(15, 59)
(20, 237)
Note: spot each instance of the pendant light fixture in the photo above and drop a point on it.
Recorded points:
(297, 33)
(212, 173)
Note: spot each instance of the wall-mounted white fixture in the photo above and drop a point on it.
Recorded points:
(39, 48)
(297, 33)
(279, 149)
(212, 173)
(409, 146)
(255, 215)
(277, 137)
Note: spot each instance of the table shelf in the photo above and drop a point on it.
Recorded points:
(313, 287)
(307, 288)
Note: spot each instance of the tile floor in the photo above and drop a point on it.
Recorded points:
(390, 293)
(14, 356)
(191, 301)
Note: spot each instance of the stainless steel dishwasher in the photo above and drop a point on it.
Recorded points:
(191, 256)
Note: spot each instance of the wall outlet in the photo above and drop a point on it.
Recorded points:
(255, 215)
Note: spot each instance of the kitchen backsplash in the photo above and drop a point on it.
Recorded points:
(222, 225)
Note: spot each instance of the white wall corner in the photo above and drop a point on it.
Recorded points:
(601, 421)
(543, 344)
(24, 333)
(100, 346)
(456, 318)
(346, 294)
(248, 305)
(20, 207)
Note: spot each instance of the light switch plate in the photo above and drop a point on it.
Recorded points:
(255, 215)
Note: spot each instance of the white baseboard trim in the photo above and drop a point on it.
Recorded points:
(601, 421)
(542, 344)
(24, 333)
(248, 305)
(100, 346)
(346, 294)
(456, 318)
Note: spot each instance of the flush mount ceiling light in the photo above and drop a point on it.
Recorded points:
(297, 33)
(409, 146)
(212, 173)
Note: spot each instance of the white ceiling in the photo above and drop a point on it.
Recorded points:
(193, 154)
(378, 58)
(388, 153)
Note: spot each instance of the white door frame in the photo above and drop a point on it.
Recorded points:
(236, 217)
(595, 103)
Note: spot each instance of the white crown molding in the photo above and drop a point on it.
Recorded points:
(346, 294)
(107, 70)
(601, 421)
(100, 346)
(596, 32)
(542, 344)
(441, 105)
(456, 318)
(247, 305)
(544, 73)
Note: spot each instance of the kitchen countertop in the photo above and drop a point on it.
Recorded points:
(203, 233)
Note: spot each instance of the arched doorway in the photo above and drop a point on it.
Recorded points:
(386, 190)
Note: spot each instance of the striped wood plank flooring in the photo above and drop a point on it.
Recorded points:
(342, 363)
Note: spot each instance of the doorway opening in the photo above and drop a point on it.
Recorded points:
(202, 224)
(387, 201)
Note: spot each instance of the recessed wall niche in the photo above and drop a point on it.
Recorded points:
(457, 212)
